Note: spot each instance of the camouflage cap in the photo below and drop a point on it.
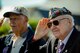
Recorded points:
(54, 12)
(17, 10)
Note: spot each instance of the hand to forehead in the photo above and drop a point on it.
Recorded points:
(41, 29)
(43, 22)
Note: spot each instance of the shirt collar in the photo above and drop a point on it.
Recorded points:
(67, 37)
(23, 35)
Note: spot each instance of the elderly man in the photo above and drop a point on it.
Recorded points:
(61, 23)
(21, 40)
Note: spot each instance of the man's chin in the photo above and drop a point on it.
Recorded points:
(14, 29)
(56, 34)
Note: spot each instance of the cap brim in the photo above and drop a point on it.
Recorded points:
(7, 14)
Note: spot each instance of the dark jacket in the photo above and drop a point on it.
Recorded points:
(28, 46)
(73, 44)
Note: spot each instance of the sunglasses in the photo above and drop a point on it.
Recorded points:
(55, 22)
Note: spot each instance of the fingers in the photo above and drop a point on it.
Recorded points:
(43, 22)
(1, 21)
(41, 29)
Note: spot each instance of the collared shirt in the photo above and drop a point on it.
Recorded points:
(18, 43)
(66, 39)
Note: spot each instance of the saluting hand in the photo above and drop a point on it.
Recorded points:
(41, 29)
(1, 21)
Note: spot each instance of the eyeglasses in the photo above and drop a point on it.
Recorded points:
(55, 22)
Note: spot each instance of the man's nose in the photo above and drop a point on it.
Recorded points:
(53, 27)
(12, 22)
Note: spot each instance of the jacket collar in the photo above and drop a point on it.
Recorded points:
(29, 35)
(72, 39)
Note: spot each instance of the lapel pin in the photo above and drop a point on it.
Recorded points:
(65, 51)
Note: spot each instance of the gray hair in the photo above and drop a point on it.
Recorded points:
(72, 19)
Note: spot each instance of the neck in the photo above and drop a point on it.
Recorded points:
(66, 34)
(18, 33)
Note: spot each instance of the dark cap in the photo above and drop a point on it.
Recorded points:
(54, 12)
(17, 10)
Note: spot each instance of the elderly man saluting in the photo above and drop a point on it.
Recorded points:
(21, 40)
(61, 23)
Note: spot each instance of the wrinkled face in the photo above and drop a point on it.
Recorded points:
(17, 22)
(61, 26)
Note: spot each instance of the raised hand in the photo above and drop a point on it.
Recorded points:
(41, 29)
(1, 21)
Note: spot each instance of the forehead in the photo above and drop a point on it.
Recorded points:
(12, 15)
(58, 17)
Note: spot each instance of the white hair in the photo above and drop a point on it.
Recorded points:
(72, 19)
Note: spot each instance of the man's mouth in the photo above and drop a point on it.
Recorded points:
(13, 26)
(55, 30)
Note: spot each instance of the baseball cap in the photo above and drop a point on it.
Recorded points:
(54, 12)
(17, 10)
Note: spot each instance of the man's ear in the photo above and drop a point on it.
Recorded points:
(26, 18)
(70, 21)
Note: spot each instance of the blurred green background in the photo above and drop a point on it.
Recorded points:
(5, 28)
